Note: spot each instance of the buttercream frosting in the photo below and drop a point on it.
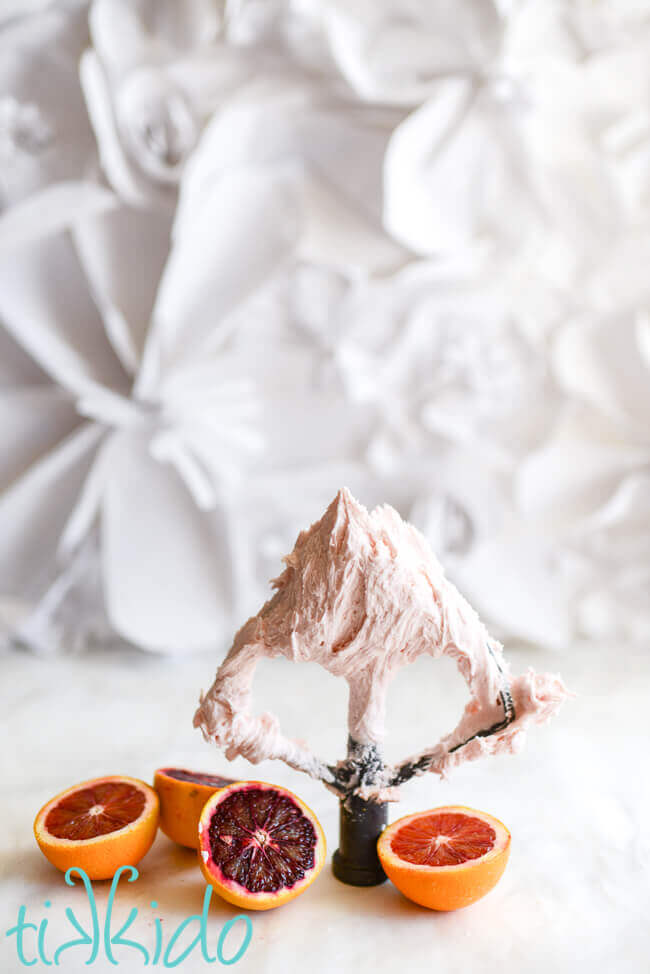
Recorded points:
(363, 595)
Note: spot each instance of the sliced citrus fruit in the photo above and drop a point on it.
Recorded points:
(445, 858)
(99, 825)
(182, 796)
(259, 845)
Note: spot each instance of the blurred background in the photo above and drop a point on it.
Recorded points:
(253, 250)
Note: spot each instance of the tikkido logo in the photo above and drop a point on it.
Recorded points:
(32, 946)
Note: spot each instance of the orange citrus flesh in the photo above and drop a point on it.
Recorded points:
(98, 825)
(445, 858)
(182, 795)
(260, 846)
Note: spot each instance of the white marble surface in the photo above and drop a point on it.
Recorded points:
(575, 895)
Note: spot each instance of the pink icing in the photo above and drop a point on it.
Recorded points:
(363, 595)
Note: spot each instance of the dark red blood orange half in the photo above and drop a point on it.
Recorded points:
(259, 845)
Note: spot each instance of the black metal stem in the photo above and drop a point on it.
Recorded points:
(356, 862)
(361, 821)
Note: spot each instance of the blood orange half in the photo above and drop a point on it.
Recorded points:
(182, 796)
(445, 858)
(98, 825)
(259, 845)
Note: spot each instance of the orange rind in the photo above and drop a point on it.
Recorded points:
(182, 795)
(445, 858)
(98, 825)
